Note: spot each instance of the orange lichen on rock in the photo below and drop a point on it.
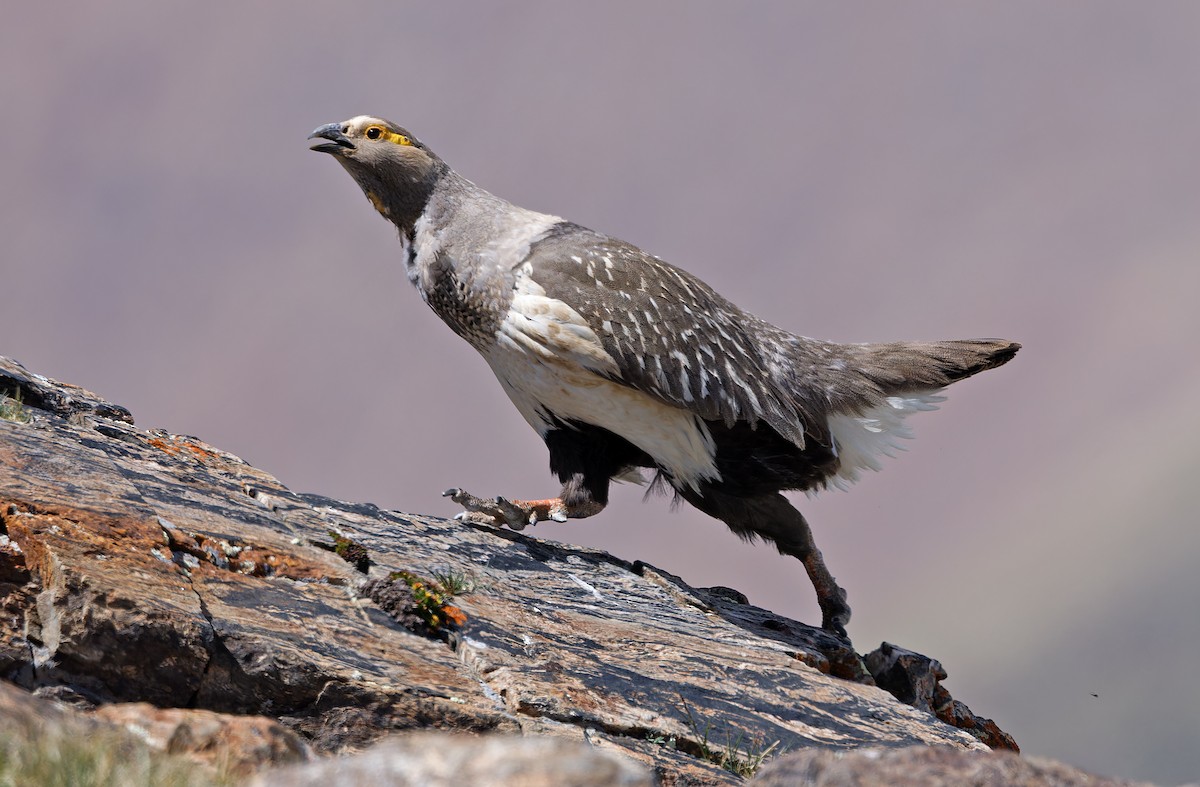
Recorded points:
(250, 559)
(181, 445)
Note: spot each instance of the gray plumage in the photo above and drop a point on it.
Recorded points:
(623, 361)
(676, 339)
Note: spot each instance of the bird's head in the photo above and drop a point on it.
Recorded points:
(395, 170)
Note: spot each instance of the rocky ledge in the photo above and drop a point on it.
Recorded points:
(156, 583)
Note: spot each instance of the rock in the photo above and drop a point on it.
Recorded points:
(237, 745)
(62, 399)
(427, 760)
(21, 710)
(917, 680)
(17, 594)
(929, 766)
(45, 742)
(139, 566)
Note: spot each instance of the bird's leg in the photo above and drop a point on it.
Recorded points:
(831, 598)
(519, 513)
(835, 612)
(773, 518)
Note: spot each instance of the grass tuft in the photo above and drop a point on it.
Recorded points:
(453, 582)
(741, 754)
(13, 409)
(63, 758)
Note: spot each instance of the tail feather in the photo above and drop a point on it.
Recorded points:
(900, 367)
(869, 408)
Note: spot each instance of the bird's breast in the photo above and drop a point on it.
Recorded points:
(466, 269)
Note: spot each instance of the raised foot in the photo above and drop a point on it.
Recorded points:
(500, 511)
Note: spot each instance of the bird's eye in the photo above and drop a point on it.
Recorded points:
(374, 132)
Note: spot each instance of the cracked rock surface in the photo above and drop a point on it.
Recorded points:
(139, 566)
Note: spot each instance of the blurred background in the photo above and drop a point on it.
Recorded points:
(851, 171)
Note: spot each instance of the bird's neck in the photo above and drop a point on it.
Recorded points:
(404, 203)
(469, 239)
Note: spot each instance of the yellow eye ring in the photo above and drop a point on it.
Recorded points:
(374, 132)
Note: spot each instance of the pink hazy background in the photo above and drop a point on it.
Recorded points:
(856, 172)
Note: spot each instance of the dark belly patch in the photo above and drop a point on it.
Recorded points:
(756, 461)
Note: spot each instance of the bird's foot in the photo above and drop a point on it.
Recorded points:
(500, 511)
(835, 613)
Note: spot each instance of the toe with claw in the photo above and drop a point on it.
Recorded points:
(499, 511)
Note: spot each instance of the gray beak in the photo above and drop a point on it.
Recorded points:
(336, 141)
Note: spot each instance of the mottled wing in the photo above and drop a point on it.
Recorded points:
(670, 334)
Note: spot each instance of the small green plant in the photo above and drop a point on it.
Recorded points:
(432, 601)
(420, 605)
(666, 741)
(740, 755)
(352, 552)
(13, 409)
(452, 582)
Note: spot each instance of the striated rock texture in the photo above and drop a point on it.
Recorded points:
(144, 567)
(439, 760)
(935, 766)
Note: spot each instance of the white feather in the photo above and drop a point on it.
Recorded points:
(861, 440)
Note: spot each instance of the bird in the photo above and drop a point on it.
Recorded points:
(631, 368)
